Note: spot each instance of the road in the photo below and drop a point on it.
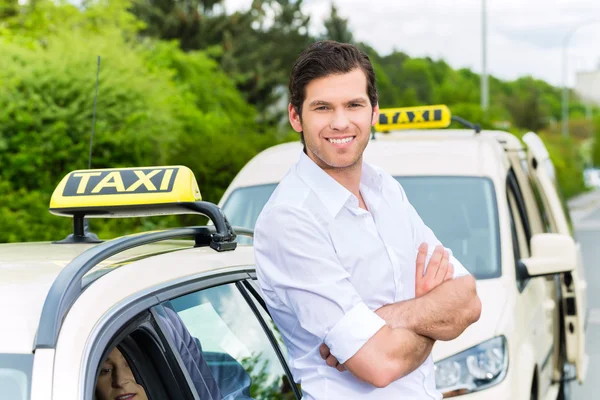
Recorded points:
(585, 212)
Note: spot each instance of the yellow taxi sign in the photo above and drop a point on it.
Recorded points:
(423, 117)
(93, 191)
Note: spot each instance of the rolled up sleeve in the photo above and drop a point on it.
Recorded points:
(296, 262)
(362, 323)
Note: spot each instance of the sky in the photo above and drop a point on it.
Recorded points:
(524, 37)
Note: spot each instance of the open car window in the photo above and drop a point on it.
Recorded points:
(223, 345)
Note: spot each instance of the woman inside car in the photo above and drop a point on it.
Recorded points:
(116, 380)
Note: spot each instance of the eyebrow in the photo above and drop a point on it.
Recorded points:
(360, 100)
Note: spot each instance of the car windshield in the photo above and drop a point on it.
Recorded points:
(460, 210)
(15, 376)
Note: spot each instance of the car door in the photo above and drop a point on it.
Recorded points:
(573, 285)
(226, 346)
(204, 338)
(535, 306)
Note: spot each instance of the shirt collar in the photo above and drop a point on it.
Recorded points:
(329, 191)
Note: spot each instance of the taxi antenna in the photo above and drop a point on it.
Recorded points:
(81, 232)
(94, 115)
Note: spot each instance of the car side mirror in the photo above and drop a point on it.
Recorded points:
(551, 253)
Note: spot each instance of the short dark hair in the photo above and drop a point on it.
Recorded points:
(328, 57)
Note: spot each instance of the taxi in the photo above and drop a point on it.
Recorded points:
(171, 314)
(493, 199)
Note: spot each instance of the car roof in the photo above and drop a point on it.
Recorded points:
(439, 152)
(28, 270)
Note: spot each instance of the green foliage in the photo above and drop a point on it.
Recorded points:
(567, 160)
(255, 47)
(187, 83)
(156, 106)
(596, 142)
(336, 27)
(263, 384)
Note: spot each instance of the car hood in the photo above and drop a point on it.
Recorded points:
(493, 296)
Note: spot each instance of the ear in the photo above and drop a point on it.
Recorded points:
(375, 116)
(294, 118)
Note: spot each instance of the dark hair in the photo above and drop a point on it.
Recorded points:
(325, 58)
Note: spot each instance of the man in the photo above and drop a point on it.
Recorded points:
(342, 255)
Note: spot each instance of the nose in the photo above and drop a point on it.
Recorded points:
(120, 378)
(340, 120)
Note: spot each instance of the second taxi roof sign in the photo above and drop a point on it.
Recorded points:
(423, 117)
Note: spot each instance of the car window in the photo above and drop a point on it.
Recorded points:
(15, 376)
(519, 234)
(462, 212)
(232, 344)
(254, 290)
(244, 204)
(519, 227)
(541, 206)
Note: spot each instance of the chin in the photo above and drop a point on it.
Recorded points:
(342, 163)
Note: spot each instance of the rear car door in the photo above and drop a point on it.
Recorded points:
(207, 339)
(573, 285)
(230, 346)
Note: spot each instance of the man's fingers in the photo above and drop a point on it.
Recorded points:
(332, 361)
(450, 273)
(324, 350)
(443, 268)
(434, 261)
(421, 257)
(340, 367)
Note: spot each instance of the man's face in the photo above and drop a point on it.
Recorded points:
(336, 119)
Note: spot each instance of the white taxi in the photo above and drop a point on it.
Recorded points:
(493, 200)
(145, 316)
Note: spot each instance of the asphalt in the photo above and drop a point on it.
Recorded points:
(585, 211)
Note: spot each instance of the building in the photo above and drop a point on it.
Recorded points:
(587, 86)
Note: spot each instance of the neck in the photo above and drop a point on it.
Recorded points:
(348, 177)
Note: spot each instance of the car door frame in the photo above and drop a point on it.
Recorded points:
(518, 159)
(529, 289)
(572, 285)
(121, 315)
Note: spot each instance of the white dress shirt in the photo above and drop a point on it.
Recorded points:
(325, 265)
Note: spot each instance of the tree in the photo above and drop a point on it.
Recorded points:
(156, 106)
(336, 27)
(192, 22)
(8, 9)
(526, 107)
(255, 47)
(596, 145)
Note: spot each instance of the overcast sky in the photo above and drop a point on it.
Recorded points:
(525, 37)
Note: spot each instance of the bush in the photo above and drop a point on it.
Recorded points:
(568, 163)
(156, 106)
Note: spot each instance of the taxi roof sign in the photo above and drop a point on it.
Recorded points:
(422, 117)
(124, 191)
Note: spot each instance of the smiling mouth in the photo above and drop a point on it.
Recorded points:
(127, 396)
(344, 140)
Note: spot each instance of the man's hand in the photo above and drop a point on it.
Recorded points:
(330, 359)
(438, 270)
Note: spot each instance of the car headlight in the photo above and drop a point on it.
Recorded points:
(474, 369)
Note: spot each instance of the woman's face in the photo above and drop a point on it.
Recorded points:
(116, 381)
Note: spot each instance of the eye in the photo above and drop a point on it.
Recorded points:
(105, 371)
(355, 105)
(321, 108)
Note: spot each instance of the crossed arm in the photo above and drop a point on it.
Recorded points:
(316, 289)
(444, 308)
